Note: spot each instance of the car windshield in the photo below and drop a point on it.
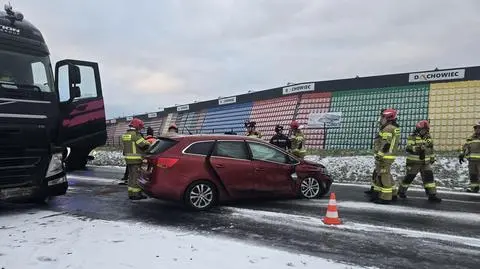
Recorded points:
(25, 71)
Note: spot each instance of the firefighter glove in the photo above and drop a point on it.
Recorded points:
(422, 155)
(432, 160)
(461, 158)
(386, 148)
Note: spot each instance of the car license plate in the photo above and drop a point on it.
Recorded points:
(16, 192)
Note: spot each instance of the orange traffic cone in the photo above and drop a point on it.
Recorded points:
(332, 213)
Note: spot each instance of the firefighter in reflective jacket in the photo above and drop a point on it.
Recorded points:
(385, 147)
(250, 125)
(150, 138)
(297, 140)
(471, 151)
(420, 156)
(280, 139)
(134, 145)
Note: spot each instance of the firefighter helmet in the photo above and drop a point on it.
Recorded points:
(423, 124)
(389, 114)
(250, 124)
(136, 123)
(278, 128)
(294, 124)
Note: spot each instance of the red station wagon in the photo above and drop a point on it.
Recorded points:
(203, 170)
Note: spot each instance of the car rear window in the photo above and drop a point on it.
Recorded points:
(200, 148)
(161, 145)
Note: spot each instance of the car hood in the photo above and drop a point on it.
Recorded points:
(310, 163)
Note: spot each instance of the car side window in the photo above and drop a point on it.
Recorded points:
(264, 153)
(231, 149)
(200, 148)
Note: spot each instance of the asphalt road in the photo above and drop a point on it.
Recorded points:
(412, 233)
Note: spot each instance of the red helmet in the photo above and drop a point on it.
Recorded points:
(137, 124)
(389, 114)
(423, 124)
(294, 124)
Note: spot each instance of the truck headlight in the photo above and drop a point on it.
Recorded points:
(56, 165)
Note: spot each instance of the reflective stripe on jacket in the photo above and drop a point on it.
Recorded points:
(297, 142)
(134, 146)
(386, 142)
(415, 144)
(471, 148)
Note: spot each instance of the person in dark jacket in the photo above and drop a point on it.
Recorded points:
(279, 139)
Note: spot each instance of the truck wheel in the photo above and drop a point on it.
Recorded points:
(77, 161)
(42, 200)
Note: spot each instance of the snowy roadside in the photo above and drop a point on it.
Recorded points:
(448, 172)
(48, 239)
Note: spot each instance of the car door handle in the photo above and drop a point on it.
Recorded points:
(259, 169)
(82, 107)
(220, 166)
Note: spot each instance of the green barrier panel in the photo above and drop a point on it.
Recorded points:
(361, 108)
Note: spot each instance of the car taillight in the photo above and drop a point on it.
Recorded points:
(166, 162)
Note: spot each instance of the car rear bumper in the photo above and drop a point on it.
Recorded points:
(162, 187)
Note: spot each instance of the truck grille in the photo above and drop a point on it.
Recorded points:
(22, 166)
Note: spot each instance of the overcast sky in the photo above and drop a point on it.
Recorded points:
(161, 53)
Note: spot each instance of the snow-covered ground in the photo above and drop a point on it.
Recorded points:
(448, 172)
(48, 239)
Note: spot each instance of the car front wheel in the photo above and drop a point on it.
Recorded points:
(200, 195)
(311, 188)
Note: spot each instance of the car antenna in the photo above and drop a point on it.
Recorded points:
(185, 127)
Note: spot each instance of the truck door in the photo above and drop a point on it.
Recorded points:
(82, 125)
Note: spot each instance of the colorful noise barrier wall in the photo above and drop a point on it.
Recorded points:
(451, 108)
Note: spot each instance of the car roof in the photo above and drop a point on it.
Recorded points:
(200, 137)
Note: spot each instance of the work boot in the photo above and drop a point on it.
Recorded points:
(394, 198)
(402, 195)
(382, 202)
(434, 198)
(374, 196)
(472, 190)
(370, 191)
(137, 196)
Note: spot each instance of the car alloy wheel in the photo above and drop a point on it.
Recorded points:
(310, 188)
(201, 195)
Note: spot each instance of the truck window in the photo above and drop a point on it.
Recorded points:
(25, 71)
(88, 88)
(39, 74)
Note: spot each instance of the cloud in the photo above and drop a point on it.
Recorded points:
(157, 54)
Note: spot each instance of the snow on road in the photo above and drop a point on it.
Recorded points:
(48, 239)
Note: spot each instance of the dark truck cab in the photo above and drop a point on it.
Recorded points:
(45, 121)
